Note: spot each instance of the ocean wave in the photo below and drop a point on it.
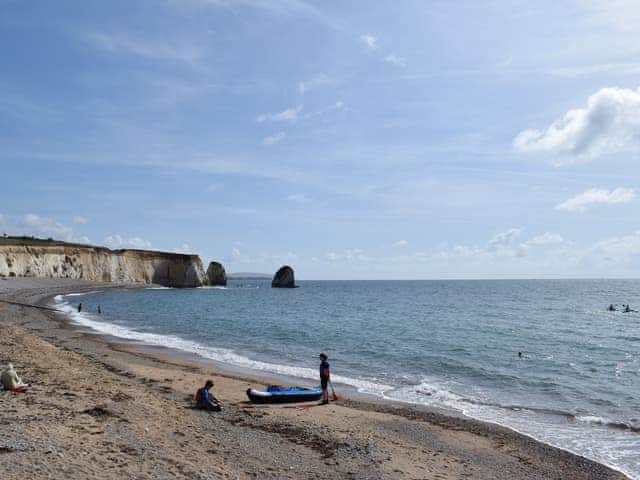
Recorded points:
(222, 355)
(79, 294)
(433, 393)
(595, 420)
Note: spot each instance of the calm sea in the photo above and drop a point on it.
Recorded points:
(451, 344)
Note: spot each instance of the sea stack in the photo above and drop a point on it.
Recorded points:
(216, 275)
(283, 278)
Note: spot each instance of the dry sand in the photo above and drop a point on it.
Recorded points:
(103, 410)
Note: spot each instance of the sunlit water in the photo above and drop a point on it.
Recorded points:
(452, 344)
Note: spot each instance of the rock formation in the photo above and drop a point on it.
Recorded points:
(28, 257)
(216, 274)
(284, 278)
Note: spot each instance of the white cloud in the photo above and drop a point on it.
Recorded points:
(609, 124)
(156, 50)
(238, 257)
(595, 197)
(504, 239)
(595, 69)
(335, 106)
(615, 249)
(277, 8)
(370, 41)
(348, 256)
(546, 238)
(400, 243)
(288, 115)
(318, 80)
(37, 225)
(184, 248)
(273, 139)
(80, 220)
(298, 198)
(117, 241)
(393, 59)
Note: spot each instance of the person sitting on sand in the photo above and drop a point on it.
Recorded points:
(611, 308)
(628, 309)
(325, 375)
(206, 401)
(10, 379)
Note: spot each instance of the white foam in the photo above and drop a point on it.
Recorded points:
(589, 435)
(212, 353)
(591, 419)
(430, 393)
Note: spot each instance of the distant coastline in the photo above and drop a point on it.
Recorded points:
(249, 276)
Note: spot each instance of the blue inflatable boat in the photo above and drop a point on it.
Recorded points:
(279, 394)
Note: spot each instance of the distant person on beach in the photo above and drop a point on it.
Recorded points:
(611, 308)
(10, 379)
(205, 400)
(325, 376)
(628, 309)
(519, 354)
(99, 310)
(79, 307)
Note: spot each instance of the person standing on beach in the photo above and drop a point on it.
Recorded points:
(325, 376)
(79, 307)
(206, 401)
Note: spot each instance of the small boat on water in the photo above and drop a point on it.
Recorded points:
(279, 394)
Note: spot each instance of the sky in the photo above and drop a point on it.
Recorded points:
(351, 140)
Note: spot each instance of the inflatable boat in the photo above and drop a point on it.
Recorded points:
(278, 394)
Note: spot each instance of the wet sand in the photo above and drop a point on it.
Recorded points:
(110, 410)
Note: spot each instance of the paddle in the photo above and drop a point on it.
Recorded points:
(333, 392)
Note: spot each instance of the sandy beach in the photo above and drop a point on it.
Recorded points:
(109, 410)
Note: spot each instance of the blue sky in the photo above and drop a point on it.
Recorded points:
(400, 139)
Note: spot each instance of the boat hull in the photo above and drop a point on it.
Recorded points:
(284, 395)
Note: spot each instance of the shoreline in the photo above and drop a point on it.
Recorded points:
(531, 457)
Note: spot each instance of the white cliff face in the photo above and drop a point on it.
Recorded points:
(101, 264)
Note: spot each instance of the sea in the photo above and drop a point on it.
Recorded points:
(542, 357)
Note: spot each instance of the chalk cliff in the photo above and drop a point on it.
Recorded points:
(25, 257)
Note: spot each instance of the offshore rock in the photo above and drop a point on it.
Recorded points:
(284, 278)
(216, 275)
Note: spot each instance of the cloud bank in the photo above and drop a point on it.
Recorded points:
(597, 197)
(42, 227)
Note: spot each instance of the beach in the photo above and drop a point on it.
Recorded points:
(104, 409)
